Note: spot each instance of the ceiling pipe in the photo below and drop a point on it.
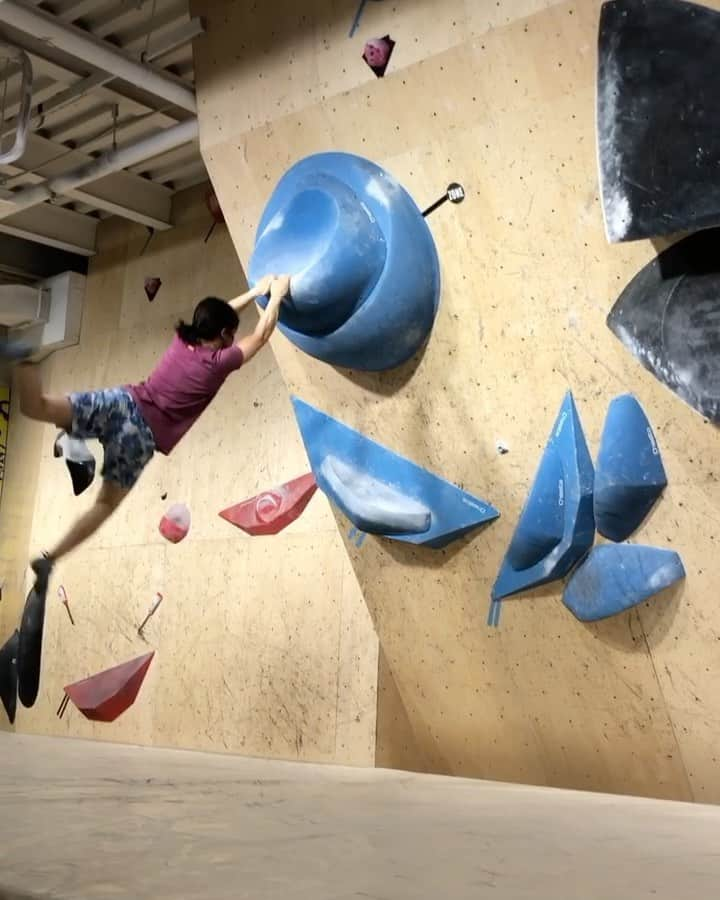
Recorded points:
(112, 161)
(97, 53)
(22, 121)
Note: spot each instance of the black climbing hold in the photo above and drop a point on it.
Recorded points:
(669, 318)
(8, 675)
(29, 657)
(658, 117)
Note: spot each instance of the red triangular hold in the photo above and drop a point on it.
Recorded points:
(105, 696)
(152, 286)
(273, 510)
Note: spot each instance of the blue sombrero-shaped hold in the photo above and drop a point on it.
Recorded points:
(366, 275)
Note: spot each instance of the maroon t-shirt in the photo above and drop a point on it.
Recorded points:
(183, 383)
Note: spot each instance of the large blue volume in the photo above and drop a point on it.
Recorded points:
(616, 577)
(556, 527)
(382, 492)
(629, 473)
(365, 282)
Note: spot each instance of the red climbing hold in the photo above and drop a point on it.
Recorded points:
(152, 286)
(105, 696)
(273, 510)
(175, 524)
(213, 205)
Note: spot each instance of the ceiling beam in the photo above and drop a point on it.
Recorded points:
(54, 97)
(75, 11)
(33, 261)
(200, 176)
(170, 41)
(135, 36)
(164, 44)
(121, 197)
(121, 193)
(179, 171)
(55, 227)
(130, 128)
(67, 72)
(98, 168)
(125, 94)
(99, 54)
(103, 24)
(64, 97)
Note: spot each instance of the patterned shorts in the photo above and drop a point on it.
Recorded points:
(112, 416)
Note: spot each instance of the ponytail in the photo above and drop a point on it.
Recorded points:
(211, 318)
(186, 333)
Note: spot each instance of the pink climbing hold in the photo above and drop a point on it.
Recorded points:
(273, 510)
(175, 524)
(377, 54)
(152, 286)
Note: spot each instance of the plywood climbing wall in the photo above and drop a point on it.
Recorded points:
(500, 97)
(264, 646)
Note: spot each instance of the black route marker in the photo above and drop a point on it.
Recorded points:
(455, 193)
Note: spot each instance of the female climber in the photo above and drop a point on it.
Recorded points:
(133, 421)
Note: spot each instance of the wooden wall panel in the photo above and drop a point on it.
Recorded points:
(500, 97)
(264, 646)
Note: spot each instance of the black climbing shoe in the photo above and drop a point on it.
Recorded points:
(79, 460)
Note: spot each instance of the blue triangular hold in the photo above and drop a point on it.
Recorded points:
(556, 527)
(629, 473)
(616, 577)
(382, 492)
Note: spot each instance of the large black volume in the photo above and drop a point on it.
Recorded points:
(658, 117)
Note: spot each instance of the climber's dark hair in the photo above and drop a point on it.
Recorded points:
(212, 316)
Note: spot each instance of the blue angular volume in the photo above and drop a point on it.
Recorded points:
(381, 492)
(556, 527)
(366, 275)
(629, 473)
(616, 577)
